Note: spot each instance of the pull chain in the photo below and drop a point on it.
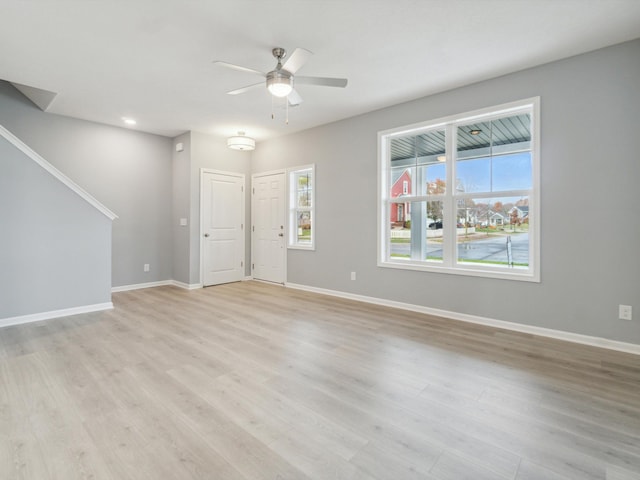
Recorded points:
(273, 115)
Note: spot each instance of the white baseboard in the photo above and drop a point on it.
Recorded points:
(186, 286)
(247, 278)
(161, 283)
(518, 327)
(138, 286)
(65, 312)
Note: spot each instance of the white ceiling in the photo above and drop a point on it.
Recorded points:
(152, 59)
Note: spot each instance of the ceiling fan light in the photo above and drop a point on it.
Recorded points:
(280, 89)
(279, 84)
(241, 142)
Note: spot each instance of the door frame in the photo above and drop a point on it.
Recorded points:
(285, 206)
(244, 217)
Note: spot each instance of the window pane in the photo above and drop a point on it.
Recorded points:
(400, 214)
(495, 155)
(303, 180)
(401, 181)
(417, 161)
(430, 145)
(435, 229)
(418, 236)
(431, 162)
(512, 172)
(473, 175)
(500, 136)
(304, 227)
(303, 188)
(493, 231)
(304, 198)
(434, 177)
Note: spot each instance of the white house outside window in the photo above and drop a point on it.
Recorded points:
(469, 189)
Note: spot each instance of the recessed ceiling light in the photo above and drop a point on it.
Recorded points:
(475, 132)
(129, 121)
(441, 158)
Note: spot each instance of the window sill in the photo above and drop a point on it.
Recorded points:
(301, 247)
(516, 274)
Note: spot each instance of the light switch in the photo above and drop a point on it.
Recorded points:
(183, 222)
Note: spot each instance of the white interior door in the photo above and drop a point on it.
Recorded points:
(268, 233)
(222, 211)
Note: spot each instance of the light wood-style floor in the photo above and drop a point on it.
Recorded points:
(253, 381)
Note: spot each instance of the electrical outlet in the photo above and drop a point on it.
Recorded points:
(146, 267)
(353, 275)
(624, 312)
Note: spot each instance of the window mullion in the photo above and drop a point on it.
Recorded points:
(448, 221)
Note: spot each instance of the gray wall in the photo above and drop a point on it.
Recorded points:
(140, 177)
(200, 151)
(590, 221)
(127, 171)
(55, 248)
(180, 208)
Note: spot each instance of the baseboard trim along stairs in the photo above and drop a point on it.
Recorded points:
(65, 312)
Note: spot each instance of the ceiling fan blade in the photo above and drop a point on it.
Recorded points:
(294, 98)
(238, 67)
(322, 81)
(245, 89)
(297, 59)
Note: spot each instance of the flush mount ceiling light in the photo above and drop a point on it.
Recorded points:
(240, 142)
(475, 132)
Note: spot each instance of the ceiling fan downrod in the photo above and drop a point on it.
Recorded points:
(279, 53)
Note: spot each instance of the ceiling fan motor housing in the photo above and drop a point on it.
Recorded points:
(279, 53)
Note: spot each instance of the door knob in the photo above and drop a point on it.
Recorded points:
(281, 234)
(206, 234)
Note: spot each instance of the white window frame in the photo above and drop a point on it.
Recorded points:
(450, 265)
(294, 209)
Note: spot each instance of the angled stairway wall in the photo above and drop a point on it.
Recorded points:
(55, 240)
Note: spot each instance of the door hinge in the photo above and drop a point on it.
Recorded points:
(253, 228)
(242, 188)
(253, 266)
(241, 263)
(254, 190)
(242, 226)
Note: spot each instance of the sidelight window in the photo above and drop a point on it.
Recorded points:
(301, 207)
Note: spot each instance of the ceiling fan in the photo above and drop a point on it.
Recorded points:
(280, 81)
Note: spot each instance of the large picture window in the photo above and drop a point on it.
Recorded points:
(460, 195)
(301, 207)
